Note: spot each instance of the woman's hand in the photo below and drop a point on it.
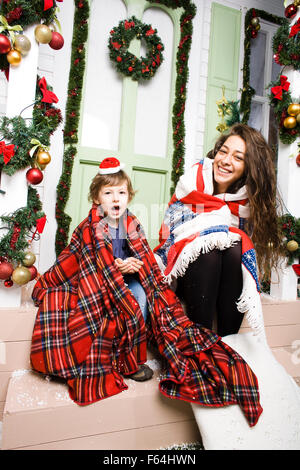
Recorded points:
(129, 265)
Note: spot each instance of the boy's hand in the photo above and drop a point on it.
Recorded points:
(129, 265)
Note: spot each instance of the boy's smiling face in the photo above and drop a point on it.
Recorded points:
(114, 201)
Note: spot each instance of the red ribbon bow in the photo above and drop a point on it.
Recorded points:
(8, 151)
(284, 86)
(295, 29)
(48, 96)
(129, 24)
(296, 268)
(49, 4)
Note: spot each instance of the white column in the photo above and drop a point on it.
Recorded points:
(20, 93)
(284, 284)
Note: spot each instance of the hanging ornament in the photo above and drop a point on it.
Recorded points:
(22, 44)
(14, 57)
(33, 272)
(5, 44)
(298, 160)
(6, 270)
(21, 275)
(292, 245)
(298, 118)
(290, 11)
(8, 283)
(43, 157)
(34, 176)
(57, 41)
(294, 109)
(29, 259)
(254, 25)
(43, 34)
(290, 122)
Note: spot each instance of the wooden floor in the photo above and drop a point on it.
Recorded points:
(38, 413)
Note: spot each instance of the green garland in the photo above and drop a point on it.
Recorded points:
(21, 224)
(280, 106)
(77, 67)
(247, 90)
(15, 131)
(25, 219)
(290, 227)
(127, 63)
(285, 48)
(24, 13)
(74, 99)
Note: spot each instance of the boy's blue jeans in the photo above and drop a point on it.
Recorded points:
(139, 294)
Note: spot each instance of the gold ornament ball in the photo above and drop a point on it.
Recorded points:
(29, 259)
(43, 157)
(292, 245)
(297, 3)
(294, 109)
(22, 44)
(14, 57)
(298, 118)
(290, 122)
(43, 34)
(255, 21)
(21, 275)
(35, 164)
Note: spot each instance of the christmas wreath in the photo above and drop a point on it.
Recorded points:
(286, 45)
(126, 62)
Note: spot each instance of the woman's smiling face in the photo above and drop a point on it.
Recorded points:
(229, 163)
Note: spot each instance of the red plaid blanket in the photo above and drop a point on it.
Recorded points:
(89, 328)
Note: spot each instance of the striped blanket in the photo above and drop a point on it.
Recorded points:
(90, 331)
(196, 221)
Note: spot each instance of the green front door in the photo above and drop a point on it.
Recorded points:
(127, 119)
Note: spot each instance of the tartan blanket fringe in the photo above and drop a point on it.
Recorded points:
(90, 331)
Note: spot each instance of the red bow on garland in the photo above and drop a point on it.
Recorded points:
(49, 4)
(48, 96)
(295, 29)
(7, 150)
(296, 268)
(284, 85)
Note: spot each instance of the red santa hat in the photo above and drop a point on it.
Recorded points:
(110, 165)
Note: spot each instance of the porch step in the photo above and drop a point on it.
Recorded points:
(40, 415)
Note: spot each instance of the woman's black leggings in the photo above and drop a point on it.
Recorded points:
(213, 283)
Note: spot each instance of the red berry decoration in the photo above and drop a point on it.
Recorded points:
(57, 41)
(298, 159)
(34, 176)
(8, 283)
(5, 45)
(290, 11)
(6, 270)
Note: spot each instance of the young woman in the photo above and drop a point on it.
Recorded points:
(217, 206)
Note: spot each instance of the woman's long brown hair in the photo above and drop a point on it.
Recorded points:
(260, 180)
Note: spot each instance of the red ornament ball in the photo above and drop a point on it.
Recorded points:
(57, 41)
(290, 11)
(8, 283)
(298, 159)
(5, 45)
(33, 271)
(34, 176)
(6, 270)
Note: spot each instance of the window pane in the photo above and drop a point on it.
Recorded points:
(257, 63)
(256, 116)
